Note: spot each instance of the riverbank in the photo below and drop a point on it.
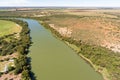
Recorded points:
(99, 69)
(14, 49)
(76, 49)
(99, 53)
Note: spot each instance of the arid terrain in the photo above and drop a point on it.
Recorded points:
(91, 26)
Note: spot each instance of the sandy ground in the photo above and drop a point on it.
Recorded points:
(63, 31)
(14, 55)
(10, 76)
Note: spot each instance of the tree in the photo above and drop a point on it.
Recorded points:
(25, 75)
(10, 68)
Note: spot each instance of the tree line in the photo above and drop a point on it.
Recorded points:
(21, 46)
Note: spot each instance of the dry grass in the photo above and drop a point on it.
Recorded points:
(94, 30)
(96, 13)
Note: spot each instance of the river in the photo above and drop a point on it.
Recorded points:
(52, 59)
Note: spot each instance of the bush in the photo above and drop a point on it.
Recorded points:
(10, 68)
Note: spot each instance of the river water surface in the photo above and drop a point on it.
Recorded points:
(52, 59)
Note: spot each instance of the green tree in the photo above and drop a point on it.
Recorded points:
(25, 75)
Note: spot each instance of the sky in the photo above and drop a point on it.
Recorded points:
(72, 3)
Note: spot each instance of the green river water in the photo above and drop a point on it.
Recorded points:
(52, 59)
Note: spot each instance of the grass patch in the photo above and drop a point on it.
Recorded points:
(8, 27)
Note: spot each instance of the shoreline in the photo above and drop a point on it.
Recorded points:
(23, 39)
(102, 71)
(104, 74)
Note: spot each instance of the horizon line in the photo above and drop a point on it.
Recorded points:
(68, 6)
